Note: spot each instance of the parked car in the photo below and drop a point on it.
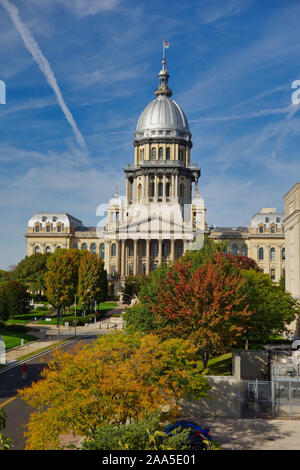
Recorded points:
(296, 344)
(197, 434)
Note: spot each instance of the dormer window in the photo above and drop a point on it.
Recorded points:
(44, 218)
(267, 220)
(54, 218)
(37, 228)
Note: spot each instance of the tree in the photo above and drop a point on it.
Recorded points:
(273, 308)
(140, 317)
(5, 442)
(132, 287)
(14, 300)
(32, 270)
(145, 434)
(61, 279)
(210, 248)
(92, 279)
(120, 378)
(206, 306)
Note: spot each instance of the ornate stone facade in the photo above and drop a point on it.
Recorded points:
(292, 240)
(262, 240)
(163, 212)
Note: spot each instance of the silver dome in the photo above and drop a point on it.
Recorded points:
(162, 117)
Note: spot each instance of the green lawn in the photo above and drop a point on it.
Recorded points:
(68, 317)
(28, 317)
(221, 365)
(13, 339)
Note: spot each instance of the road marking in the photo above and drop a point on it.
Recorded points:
(8, 401)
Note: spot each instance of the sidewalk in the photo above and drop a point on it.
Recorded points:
(14, 354)
(49, 335)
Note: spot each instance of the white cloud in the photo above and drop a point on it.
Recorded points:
(44, 66)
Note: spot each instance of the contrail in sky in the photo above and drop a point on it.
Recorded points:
(44, 65)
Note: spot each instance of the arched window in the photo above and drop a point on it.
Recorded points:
(168, 153)
(267, 220)
(93, 248)
(244, 250)
(75, 246)
(272, 254)
(261, 253)
(154, 153)
(48, 249)
(283, 253)
(113, 249)
(160, 189)
(235, 249)
(58, 247)
(84, 246)
(37, 249)
(102, 251)
(277, 220)
(161, 153)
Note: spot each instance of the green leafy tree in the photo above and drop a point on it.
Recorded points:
(140, 317)
(92, 279)
(32, 270)
(118, 379)
(5, 442)
(14, 300)
(146, 434)
(210, 248)
(132, 287)
(61, 279)
(273, 308)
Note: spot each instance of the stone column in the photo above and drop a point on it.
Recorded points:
(172, 252)
(159, 251)
(135, 257)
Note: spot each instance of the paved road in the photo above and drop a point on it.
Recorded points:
(17, 410)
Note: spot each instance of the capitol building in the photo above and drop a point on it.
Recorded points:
(163, 214)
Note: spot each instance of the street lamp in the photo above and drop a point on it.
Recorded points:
(75, 316)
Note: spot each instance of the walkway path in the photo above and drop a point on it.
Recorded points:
(49, 335)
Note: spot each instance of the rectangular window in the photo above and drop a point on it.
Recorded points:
(273, 274)
(37, 228)
(48, 228)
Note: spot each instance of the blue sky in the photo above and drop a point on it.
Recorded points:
(231, 67)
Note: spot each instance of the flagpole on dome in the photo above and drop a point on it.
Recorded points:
(166, 45)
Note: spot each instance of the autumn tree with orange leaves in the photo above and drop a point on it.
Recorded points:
(206, 306)
(120, 378)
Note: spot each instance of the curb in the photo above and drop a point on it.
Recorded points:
(17, 363)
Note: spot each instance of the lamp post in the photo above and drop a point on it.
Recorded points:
(75, 316)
